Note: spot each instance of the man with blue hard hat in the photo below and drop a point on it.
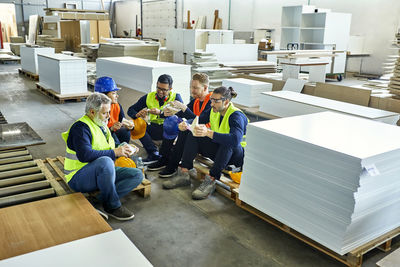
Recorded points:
(90, 155)
(118, 125)
(152, 105)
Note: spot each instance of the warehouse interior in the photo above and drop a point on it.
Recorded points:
(319, 84)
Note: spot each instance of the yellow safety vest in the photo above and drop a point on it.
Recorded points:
(99, 142)
(224, 126)
(152, 102)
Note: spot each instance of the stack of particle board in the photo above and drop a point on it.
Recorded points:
(90, 51)
(49, 41)
(286, 104)
(62, 74)
(206, 62)
(29, 57)
(142, 74)
(146, 50)
(338, 187)
(248, 91)
(257, 67)
(394, 84)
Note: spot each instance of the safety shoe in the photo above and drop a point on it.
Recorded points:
(121, 213)
(158, 165)
(166, 173)
(206, 188)
(151, 159)
(182, 179)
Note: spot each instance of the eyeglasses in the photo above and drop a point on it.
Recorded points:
(214, 100)
(162, 89)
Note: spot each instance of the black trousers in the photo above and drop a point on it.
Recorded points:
(155, 132)
(221, 155)
(175, 155)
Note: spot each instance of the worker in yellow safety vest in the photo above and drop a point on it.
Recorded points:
(151, 108)
(223, 142)
(90, 155)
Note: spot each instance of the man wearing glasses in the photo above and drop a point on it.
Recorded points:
(200, 103)
(223, 142)
(153, 104)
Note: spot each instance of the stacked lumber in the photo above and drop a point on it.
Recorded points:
(206, 62)
(257, 67)
(140, 49)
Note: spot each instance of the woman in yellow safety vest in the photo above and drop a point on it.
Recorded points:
(223, 142)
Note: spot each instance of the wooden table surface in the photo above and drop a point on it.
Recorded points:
(45, 223)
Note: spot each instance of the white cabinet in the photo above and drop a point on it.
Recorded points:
(311, 28)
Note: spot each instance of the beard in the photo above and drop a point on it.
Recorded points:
(99, 122)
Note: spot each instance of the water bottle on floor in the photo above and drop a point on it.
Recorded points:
(140, 165)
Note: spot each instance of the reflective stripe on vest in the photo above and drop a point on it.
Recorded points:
(224, 126)
(99, 142)
(152, 102)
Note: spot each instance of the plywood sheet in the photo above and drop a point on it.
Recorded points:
(343, 93)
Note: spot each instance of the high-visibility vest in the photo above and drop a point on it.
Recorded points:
(99, 142)
(152, 102)
(223, 127)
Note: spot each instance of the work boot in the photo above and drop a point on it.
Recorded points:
(206, 188)
(158, 165)
(166, 173)
(151, 159)
(121, 213)
(182, 179)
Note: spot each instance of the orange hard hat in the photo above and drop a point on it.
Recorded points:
(125, 162)
(140, 128)
(235, 176)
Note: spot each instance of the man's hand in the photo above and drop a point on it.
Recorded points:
(142, 114)
(200, 130)
(170, 111)
(129, 124)
(183, 126)
(116, 126)
(155, 111)
(179, 105)
(122, 151)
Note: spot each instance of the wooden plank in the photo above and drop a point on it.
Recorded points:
(22, 179)
(15, 159)
(62, 98)
(18, 165)
(55, 168)
(14, 173)
(60, 191)
(6, 150)
(22, 188)
(41, 224)
(25, 197)
(13, 154)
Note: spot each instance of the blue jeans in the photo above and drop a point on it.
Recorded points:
(113, 182)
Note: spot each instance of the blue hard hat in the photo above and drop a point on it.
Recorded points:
(170, 127)
(105, 85)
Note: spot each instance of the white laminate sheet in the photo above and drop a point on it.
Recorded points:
(102, 250)
(287, 103)
(248, 91)
(29, 60)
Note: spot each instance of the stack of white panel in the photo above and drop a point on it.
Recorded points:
(329, 176)
(146, 50)
(286, 103)
(29, 57)
(142, 74)
(248, 91)
(63, 74)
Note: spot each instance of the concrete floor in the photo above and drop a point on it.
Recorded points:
(170, 229)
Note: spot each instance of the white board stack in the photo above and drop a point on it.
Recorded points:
(286, 103)
(142, 74)
(206, 62)
(63, 74)
(90, 251)
(146, 50)
(248, 91)
(329, 176)
(29, 57)
(257, 67)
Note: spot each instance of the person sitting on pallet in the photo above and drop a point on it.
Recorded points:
(90, 155)
(152, 105)
(118, 125)
(224, 142)
(199, 104)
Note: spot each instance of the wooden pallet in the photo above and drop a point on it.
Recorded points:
(53, 168)
(227, 186)
(10, 60)
(61, 99)
(352, 259)
(22, 180)
(2, 119)
(28, 74)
